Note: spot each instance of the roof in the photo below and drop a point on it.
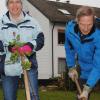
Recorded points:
(50, 10)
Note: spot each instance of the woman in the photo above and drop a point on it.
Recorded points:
(13, 24)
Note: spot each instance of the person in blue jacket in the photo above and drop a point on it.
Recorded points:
(82, 42)
(16, 23)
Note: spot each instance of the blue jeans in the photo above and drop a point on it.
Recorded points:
(33, 82)
(10, 85)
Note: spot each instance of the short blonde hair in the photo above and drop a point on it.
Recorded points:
(85, 11)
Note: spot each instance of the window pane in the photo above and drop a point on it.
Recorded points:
(61, 37)
(61, 65)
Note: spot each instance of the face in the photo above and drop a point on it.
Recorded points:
(85, 24)
(14, 7)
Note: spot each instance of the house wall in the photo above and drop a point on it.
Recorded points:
(59, 50)
(44, 56)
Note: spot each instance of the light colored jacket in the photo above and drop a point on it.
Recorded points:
(29, 31)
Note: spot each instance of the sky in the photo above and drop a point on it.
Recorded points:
(94, 3)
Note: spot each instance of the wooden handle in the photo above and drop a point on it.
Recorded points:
(26, 85)
(26, 81)
(78, 87)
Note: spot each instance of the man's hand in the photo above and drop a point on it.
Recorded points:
(73, 73)
(85, 93)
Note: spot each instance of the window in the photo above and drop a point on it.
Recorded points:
(61, 65)
(65, 12)
(61, 37)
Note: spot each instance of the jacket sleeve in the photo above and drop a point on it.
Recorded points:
(69, 50)
(95, 73)
(39, 41)
(38, 38)
(1, 43)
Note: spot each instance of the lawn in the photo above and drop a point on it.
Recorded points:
(53, 95)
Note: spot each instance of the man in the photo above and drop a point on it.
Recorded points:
(16, 23)
(82, 40)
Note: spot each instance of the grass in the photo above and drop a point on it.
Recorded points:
(53, 95)
(61, 95)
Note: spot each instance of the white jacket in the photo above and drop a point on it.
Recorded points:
(29, 31)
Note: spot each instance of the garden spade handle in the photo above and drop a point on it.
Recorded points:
(78, 87)
(26, 81)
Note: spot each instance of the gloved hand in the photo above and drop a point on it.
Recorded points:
(12, 48)
(26, 49)
(73, 73)
(85, 93)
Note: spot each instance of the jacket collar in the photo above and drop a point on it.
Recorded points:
(6, 19)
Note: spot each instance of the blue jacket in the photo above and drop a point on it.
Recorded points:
(29, 31)
(86, 48)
